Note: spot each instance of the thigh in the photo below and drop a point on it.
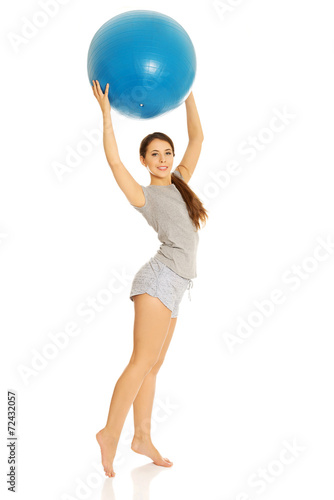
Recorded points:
(168, 338)
(151, 323)
(155, 369)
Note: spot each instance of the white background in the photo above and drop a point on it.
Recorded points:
(223, 410)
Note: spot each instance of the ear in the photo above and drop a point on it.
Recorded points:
(142, 161)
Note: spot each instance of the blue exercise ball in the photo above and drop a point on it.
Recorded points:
(147, 58)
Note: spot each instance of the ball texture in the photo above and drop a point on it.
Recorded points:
(147, 58)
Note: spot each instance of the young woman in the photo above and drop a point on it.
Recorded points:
(175, 212)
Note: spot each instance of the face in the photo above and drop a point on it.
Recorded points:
(159, 158)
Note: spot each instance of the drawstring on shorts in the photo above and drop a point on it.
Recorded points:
(190, 285)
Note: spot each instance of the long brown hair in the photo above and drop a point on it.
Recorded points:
(196, 210)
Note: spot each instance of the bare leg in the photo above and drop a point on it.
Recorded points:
(142, 408)
(151, 323)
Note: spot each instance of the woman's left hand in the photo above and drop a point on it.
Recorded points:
(102, 98)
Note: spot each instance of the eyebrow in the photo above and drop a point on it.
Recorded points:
(168, 149)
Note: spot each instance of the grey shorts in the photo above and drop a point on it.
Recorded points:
(158, 280)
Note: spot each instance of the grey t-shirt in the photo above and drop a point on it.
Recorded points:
(166, 211)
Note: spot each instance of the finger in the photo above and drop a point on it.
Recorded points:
(107, 89)
(99, 91)
(94, 89)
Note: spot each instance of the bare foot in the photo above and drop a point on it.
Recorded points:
(144, 446)
(108, 446)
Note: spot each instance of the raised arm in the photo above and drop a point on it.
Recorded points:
(130, 187)
(196, 137)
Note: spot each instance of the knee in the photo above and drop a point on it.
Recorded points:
(156, 367)
(143, 363)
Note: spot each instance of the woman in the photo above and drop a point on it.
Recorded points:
(174, 211)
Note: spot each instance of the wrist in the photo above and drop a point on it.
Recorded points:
(190, 96)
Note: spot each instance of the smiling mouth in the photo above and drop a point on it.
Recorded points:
(162, 168)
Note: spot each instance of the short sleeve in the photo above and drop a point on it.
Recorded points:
(146, 200)
(147, 209)
(178, 174)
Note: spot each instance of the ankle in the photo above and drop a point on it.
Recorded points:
(107, 431)
(142, 437)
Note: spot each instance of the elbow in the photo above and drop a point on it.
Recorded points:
(114, 164)
(197, 137)
(200, 135)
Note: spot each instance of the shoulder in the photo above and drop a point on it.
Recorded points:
(143, 200)
(183, 173)
(178, 173)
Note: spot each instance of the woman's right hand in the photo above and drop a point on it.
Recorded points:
(102, 98)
